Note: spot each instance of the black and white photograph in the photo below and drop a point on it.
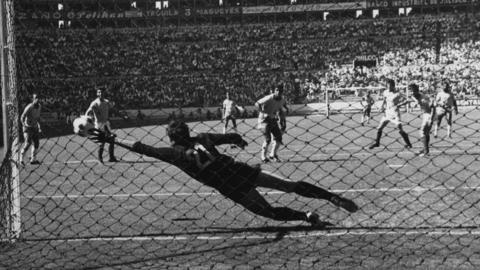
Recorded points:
(240, 134)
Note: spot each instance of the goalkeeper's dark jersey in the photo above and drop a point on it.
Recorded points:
(202, 161)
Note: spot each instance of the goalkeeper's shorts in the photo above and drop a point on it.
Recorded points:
(234, 180)
(272, 128)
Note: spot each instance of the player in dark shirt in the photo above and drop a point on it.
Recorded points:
(199, 158)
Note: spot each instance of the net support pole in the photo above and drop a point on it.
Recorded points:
(10, 113)
(407, 94)
(4, 84)
(327, 103)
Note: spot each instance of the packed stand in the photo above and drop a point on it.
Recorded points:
(195, 66)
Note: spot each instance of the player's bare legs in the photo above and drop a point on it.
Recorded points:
(273, 154)
(381, 126)
(437, 125)
(30, 140)
(269, 180)
(277, 141)
(33, 154)
(111, 148)
(449, 125)
(267, 139)
(225, 126)
(425, 137)
(26, 145)
(365, 117)
(234, 124)
(263, 154)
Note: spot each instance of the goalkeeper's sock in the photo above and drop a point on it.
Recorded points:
(379, 135)
(224, 130)
(405, 138)
(311, 191)
(111, 151)
(425, 140)
(449, 131)
(100, 153)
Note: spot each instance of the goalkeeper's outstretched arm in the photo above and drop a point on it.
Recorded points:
(99, 136)
(166, 154)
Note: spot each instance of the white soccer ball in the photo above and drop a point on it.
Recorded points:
(82, 125)
(241, 110)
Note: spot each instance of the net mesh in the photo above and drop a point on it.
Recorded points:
(178, 62)
(9, 186)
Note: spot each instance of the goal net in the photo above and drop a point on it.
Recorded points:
(156, 62)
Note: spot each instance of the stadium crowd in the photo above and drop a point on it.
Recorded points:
(457, 62)
(195, 66)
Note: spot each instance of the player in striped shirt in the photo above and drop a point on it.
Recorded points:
(100, 108)
(445, 103)
(269, 107)
(427, 107)
(30, 120)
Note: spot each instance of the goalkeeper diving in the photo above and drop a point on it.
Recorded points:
(198, 157)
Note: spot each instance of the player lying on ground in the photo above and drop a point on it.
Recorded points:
(199, 158)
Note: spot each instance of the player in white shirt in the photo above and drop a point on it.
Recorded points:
(269, 106)
(427, 107)
(445, 103)
(30, 120)
(100, 107)
(392, 101)
(229, 109)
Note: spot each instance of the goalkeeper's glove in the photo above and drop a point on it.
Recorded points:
(99, 136)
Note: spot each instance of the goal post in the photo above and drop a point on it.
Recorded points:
(10, 177)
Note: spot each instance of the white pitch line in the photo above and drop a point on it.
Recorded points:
(396, 165)
(313, 156)
(294, 235)
(186, 194)
(77, 161)
(291, 148)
